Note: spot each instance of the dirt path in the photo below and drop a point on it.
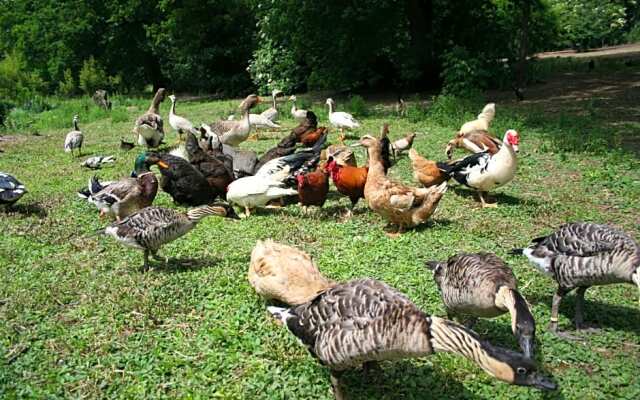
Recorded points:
(625, 50)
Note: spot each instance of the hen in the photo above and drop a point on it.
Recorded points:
(426, 171)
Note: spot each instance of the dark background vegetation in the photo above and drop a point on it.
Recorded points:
(70, 47)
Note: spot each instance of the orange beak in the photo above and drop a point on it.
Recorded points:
(163, 164)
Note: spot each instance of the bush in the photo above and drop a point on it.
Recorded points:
(453, 111)
(67, 86)
(357, 106)
(92, 76)
(16, 83)
(633, 36)
(462, 73)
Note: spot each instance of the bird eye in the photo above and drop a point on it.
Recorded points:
(521, 371)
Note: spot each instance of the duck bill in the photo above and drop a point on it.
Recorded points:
(357, 144)
(515, 148)
(163, 164)
(542, 382)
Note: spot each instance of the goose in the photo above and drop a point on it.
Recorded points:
(74, 138)
(484, 171)
(482, 285)
(257, 121)
(233, 133)
(296, 113)
(365, 321)
(284, 273)
(178, 123)
(11, 190)
(149, 126)
(340, 119)
(152, 227)
(271, 113)
(579, 255)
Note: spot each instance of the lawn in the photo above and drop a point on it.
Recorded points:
(80, 319)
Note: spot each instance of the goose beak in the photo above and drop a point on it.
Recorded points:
(541, 382)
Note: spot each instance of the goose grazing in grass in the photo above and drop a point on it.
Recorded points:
(178, 123)
(296, 113)
(365, 321)
(152, 227)
(579, 255)
(482, 285)
(233, 133)
(149, 126)
(340, 119)
(11, 190)
(74, 139)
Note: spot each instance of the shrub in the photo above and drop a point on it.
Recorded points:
(357, 106)
(16, 83)
(453, 111)
(462, 73)
(92, 77)
(67, 86)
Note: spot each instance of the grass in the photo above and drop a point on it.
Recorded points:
(78, 318)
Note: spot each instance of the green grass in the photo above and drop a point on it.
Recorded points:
(78, 318)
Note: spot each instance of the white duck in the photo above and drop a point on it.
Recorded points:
(178, 123)
(256, 191)
(271, 113)
(483, 171)
(340, 119)
(297, 114)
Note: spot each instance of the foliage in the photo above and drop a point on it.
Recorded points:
(16, 83)
(92, 77)
(633, 36)
(357, 106)
(67, 85)
(462, 73)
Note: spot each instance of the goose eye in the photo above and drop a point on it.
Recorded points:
(521, 371)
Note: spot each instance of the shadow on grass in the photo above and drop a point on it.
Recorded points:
(178, 265)
(602, 314)
(499, 197)
(28, 210)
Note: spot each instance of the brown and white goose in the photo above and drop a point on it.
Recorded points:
(482, 285)
(365, 321)
(232, 132)
(579, 255)
(149, 126)
(178, 123)
(271, 113)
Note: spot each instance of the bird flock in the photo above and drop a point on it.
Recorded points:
(356, 323)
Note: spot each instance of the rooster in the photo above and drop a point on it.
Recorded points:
(348, 180)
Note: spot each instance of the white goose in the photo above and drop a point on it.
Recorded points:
(271, 113)
(178, 123)
(296, 113)
(483, 171)
(340, 119)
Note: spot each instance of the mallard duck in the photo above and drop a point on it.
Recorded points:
(178, 123)
(232, 132)
(284, 273)
(340, 119)
(124, 197)
(149, 126)
(181, 180)
(11, 190)
(474, 142)
(97, 162)
(152, 227)
(579, 255)
(256, 191)
(74, 138)
(295, 112)
(483, 171)
(402, 205)
(365, 321)
(482, 285)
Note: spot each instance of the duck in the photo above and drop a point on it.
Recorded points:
(181, 180)
(364, 321)
(271, 113)
(482, 122)
(340, 119)
(285, 147)
(149, 126)
(579, 255)
(243, 162)
(178, 123)
(385, 147)
(74, 139)
(308, 124)
(296, 113)
(292, 162)
(285, 274)
(232, 132)
(11, 190)
(475, 141)
(484, 171)
(152, 227)
(256, 191)
(402, 205)
(482, 285)
(98, 162)
(216, 170)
